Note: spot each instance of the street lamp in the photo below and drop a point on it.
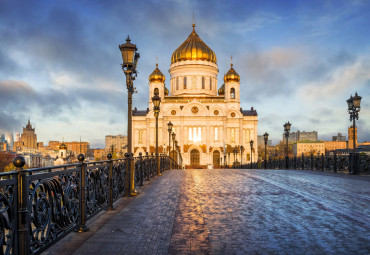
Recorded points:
(234, 152)
(177, 150)
(170, 125)
(156, 102)
(353, 110)
(173, 151)
(287, 126)
(241, 155)
(266, 138)
(251, 144)
(225, 155)
(130, 57)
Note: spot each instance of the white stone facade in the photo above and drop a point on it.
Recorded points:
(203, 119)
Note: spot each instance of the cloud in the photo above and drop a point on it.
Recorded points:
(352, 75)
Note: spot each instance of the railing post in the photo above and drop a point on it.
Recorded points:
(147, 166)
(335, 162)
(295, 162)
(110, 176)
(82, 227)
(141, 169)
(322, 162)
(302, 166)
(23, 240)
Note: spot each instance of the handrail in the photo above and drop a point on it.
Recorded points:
(42, 205)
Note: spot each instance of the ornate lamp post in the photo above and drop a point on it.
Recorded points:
(266, 138)
(241, 155)
(251, 144)
(234, 152)
(225, 155)
(173, 151)
(177, 149)
(353, 110)
(130, 57)
(170, 125)
(156, 102)
(287, 126)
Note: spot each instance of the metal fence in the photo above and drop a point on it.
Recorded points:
(40, 206)
(333, 163)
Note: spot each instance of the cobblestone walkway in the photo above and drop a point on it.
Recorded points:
(241, 212)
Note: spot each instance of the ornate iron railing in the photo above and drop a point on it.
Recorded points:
(40, 206)
(334, 163)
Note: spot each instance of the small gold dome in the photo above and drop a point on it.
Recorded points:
(221, 90)
(193, 49)
(62, 146)
(157, 75)
(231, 75)
(166, 92)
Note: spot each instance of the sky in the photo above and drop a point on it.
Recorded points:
(299, 61)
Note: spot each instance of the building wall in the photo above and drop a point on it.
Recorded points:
(334, 145)
(308, 147)
(301, 136)
(119, 143)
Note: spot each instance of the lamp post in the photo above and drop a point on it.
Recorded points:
(241, 155)
(130, 57)
(266, 137)
(170, 125)
(156, 102)
(251, 144)
(287, 126)
(173, 151)
(177, 149)
(353, 110)
(234, 152)
(225, 155)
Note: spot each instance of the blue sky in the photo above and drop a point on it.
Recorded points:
(298, 61)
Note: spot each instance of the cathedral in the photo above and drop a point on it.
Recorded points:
(207, 119)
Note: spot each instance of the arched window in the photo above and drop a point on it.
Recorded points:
(184, 82)
(232, 93)
(203, 83)
(156, 91)
(210, 83)
(177, 83)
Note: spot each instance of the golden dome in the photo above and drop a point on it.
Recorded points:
(62, 146)
(221, 90)
(231, 75)
(166, 92)
(156, 75)
(193, 49)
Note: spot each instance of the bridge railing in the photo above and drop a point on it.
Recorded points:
(40, 206)
(332, 163)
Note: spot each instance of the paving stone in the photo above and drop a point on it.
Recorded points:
(240, 212)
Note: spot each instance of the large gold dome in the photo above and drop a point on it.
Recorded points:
(157, 75)
(193, 49)
(231, 75)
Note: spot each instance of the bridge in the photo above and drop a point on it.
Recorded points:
(82, 209)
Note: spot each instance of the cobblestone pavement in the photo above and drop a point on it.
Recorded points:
(241, 212)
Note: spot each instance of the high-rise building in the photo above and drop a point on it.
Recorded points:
(77, 148)
(28, 137)
(301, 136)
(350, 137)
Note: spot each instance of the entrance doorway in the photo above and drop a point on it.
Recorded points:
(194, 158)
(216, 159)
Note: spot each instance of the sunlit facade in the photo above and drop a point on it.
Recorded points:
(207, 119)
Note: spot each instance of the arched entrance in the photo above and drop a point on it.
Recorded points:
(216, 159)
(194, 158)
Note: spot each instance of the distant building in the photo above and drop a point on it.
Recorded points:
(33, 160)
(350, 137)
(77, 148)
(119, 143)
(339, 138)
(334, 145)
(98, 154)
(261, 141)
(301, 136)
(308, 148)
(28, 137)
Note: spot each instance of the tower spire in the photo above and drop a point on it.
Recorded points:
(231, 60)
(156, 61)
(193, 21)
